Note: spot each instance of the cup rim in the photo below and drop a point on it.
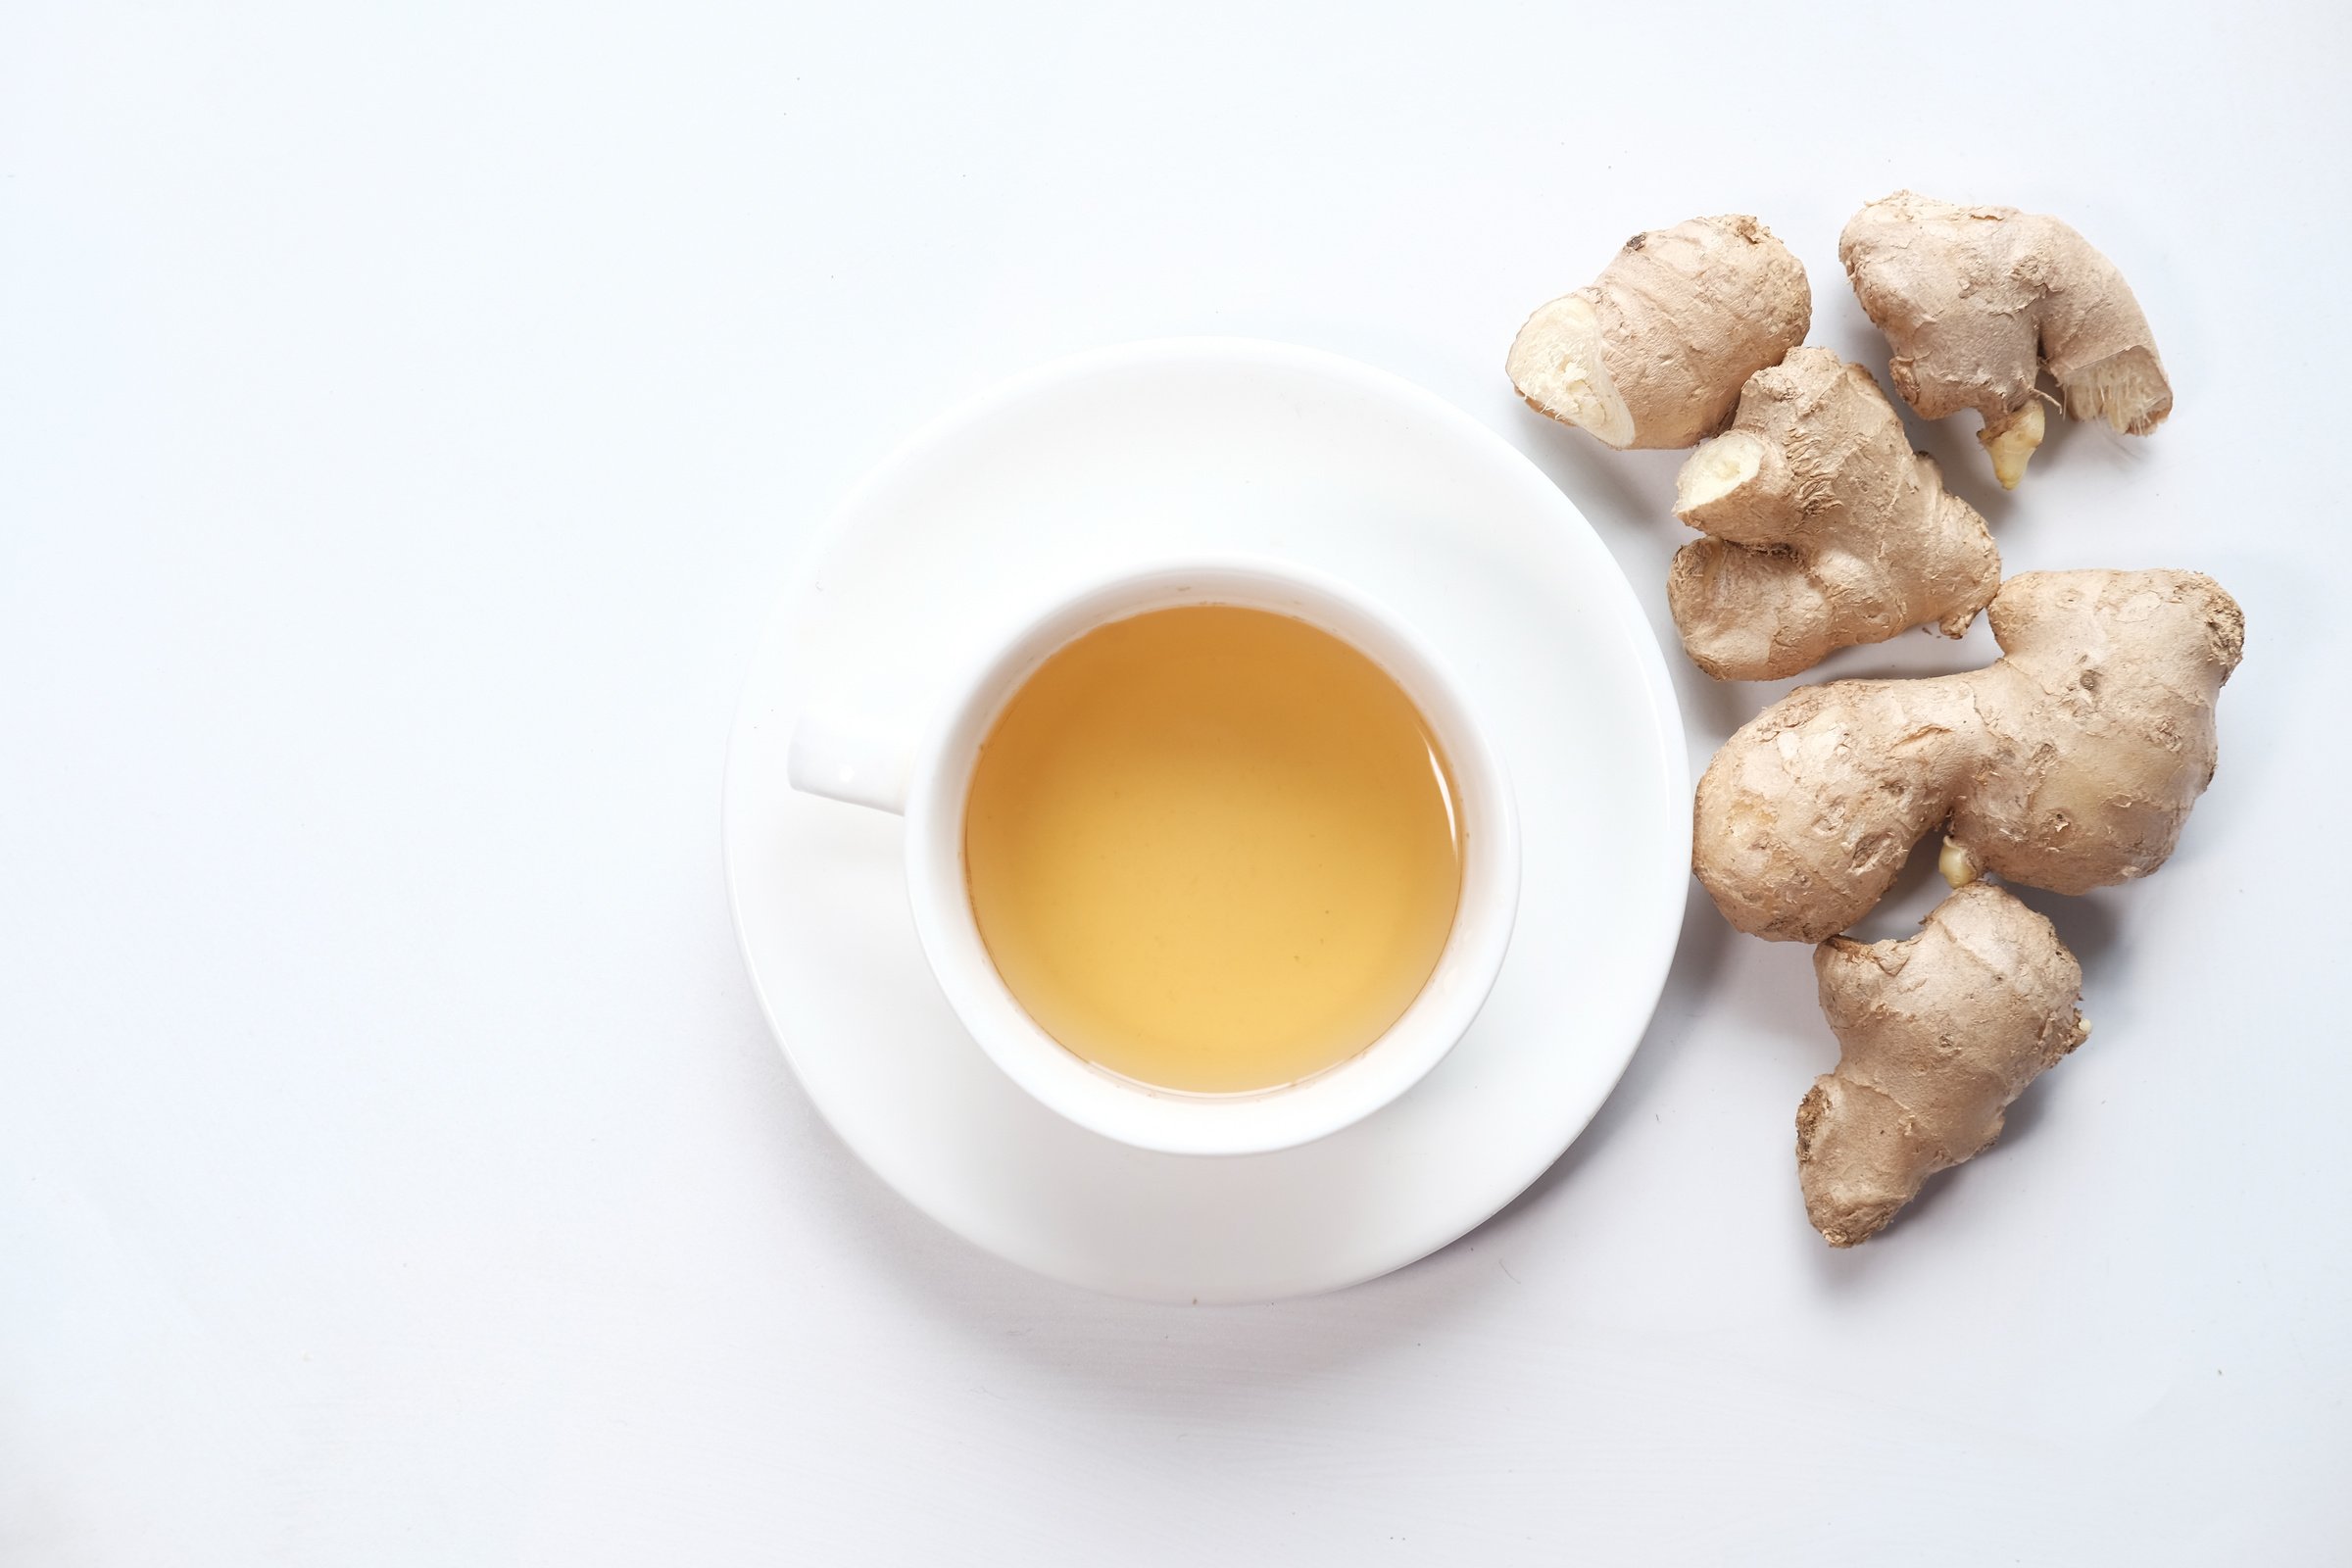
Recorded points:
(1181, 1121)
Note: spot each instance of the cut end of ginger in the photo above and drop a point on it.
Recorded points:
(2128, 390)
(1556, 363)
(1716, 470)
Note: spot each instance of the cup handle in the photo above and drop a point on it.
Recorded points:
(843, 762)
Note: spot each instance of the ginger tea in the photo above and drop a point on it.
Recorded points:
(1212, 847)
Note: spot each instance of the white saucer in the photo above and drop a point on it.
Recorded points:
(1208, 445)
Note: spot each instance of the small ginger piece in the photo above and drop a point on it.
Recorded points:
(1654, 351)
(1937, 1034)
(1824, 529)
(1974, 300)
(2071, 764)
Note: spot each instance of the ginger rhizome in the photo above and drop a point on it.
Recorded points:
(1974, 300)
(2070, 763)
(1654, 351)
(1824, 529)
(1936, 1035)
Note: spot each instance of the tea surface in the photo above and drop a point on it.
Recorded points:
(1212, 847)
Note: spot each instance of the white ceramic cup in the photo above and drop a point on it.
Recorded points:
(925, 779)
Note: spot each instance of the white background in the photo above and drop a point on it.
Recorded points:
(408, 415)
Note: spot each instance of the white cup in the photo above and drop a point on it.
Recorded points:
(926, 780)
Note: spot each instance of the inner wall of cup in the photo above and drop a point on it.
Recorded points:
(1477, 788)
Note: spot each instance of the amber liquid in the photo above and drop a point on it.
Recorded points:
(1212, 849)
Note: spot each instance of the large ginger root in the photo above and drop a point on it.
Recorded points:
(1653, 354)
(1937, 1034)
(1974, 299)
(2071, 764)
(1825, 528)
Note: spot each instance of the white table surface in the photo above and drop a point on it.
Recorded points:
(408, 415)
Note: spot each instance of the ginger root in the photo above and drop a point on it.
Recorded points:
(1825, 528)
(1973, 300)
(1937, 1034)
(2070, 763)
(1653, 351)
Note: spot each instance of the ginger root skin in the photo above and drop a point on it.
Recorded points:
(1825, 528)
(1653, 351)
(2070, 763)
(1973, 300)
(1937, 1034)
